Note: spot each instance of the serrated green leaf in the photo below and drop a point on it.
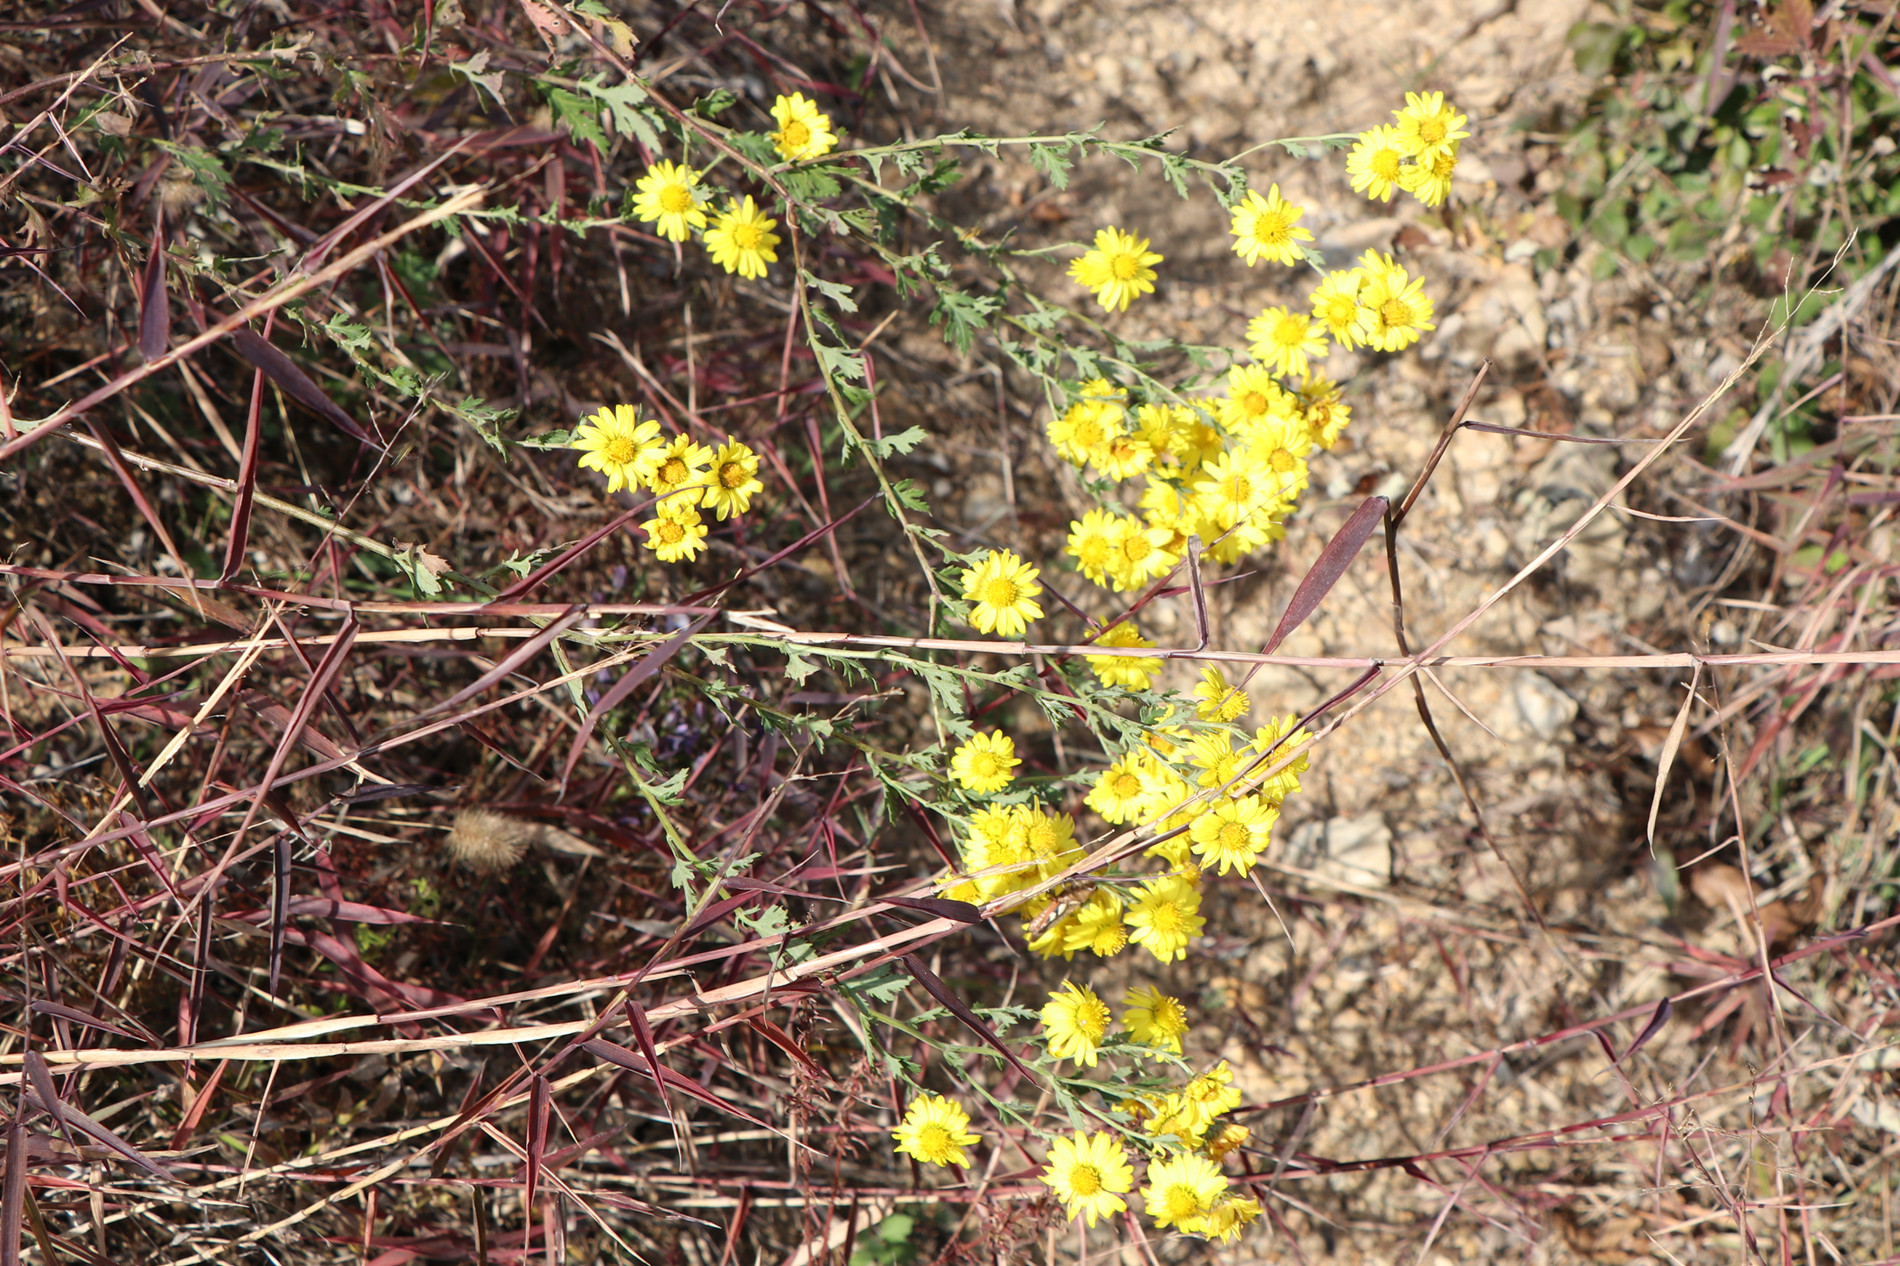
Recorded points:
(902, 442)
(838, 294)
(476, 71)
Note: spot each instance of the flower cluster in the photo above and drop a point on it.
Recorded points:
(1202, 784)
(684, 477)
(1418, 154)
(740, 237)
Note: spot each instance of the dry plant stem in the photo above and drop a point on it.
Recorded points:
(1393, 518)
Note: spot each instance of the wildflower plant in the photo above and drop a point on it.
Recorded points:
(1111, 841)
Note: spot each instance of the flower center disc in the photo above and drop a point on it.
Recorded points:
(1124, 267)
(933, 1141)
(675, 199)
(674, 472)
(1431, 131)
(731, 475)
(1001, 592)
(1181, 1202)
(1233, 837)
(1281, 460)
(1395, 312)
(797, 135)
(672, 533)
(1085, 1180)
(746, 237)
(621, 450)
(1385, 164)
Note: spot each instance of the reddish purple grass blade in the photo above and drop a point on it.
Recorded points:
(123, 470)
(283, 371)
(86, 1125)
(937, 908)
(13, 1198)
(787, 1043)
(155, 304)
(655, 660)
(961, 1010)
(537, 1137)
(624, 1058)
(42, 1078)
(512, 662)
(1328, 568)
(247, 485)
(327, 671)
(1656, 1022)
(280, 905)
(72, 1015)
(313, 259)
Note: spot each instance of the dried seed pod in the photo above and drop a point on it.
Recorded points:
(484, 840)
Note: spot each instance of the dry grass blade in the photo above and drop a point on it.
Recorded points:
(295, 383)
(1666, 759)
(962, 1011)
(1328, 568)
(155, 305)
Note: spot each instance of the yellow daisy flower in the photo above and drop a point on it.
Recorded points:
(1182, 1188)
(935, 1130)
(733, 480)
(1396, 311)
(1097, 927)
(1428, 123)
(742, 241)
(1252, 394)
(1326, 415)
(1092, 543)
(1119, 269)
(1225, 1220)
(1230, 489)
(1050, 839)
(1429, 177)
(1213, 1092)
(985, 763)
(1279, 443)
(678, 470)
(1179, 1119)
(1169, 803)
(1089, 1174)
(1268, 227)
(1273, 741)
(1213, 753)
(1374, 160)
(1122, 791)
(802, 131)
(1282, 341)
(1076, 1021)
(676, 534)
(1131, 672)
(664, 197)
(1140, 554)
(1219, 702)
(1227, 1139)
(1004, 590)
(1234, 833)
(1166, 916)
(1123, 456)
(619, 445)
(1154, 1019)
(1336, 306)
(1084, 430)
